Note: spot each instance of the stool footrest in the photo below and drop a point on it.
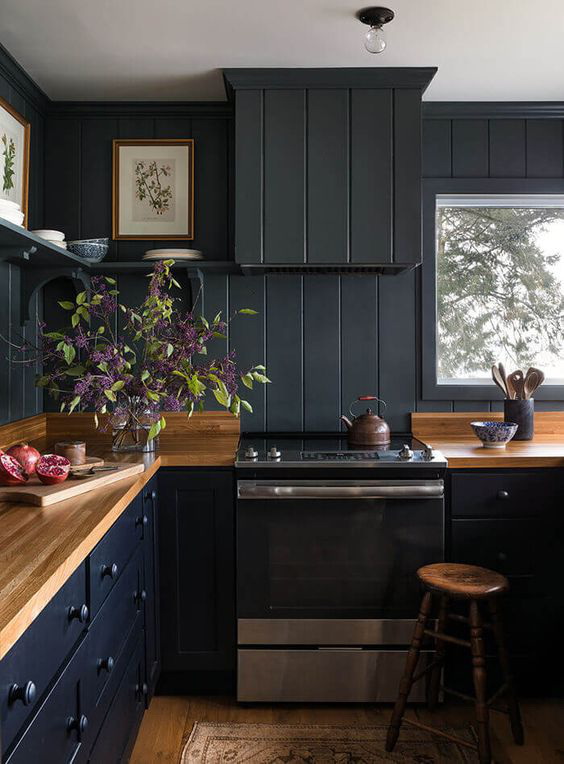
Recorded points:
(441, 733)
(446, 638)
(464, 619)
(420, 674)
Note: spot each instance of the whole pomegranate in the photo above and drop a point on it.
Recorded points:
(26, 455)
(11, 471)
(52, 469)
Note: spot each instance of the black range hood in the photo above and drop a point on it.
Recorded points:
(328, 169)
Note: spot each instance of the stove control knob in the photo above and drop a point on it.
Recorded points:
(428, 453)
(405, 453)
(251, 453)
(274, 453)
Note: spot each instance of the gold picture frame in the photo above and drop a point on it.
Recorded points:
(17, 135)
(153, 189)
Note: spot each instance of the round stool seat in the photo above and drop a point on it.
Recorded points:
(467, 581)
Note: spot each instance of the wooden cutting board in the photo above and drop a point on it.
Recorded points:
(34, 492)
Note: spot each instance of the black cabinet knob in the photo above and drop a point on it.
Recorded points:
(24, 692)
(80, 613)
(502, 495)
(142, 520)
(106, 664)
(140, 597)
(142, 689)
(152, 495)
(502, 557)
(79, 724)
(109, 570)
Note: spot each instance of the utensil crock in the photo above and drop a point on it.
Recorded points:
(522, 412)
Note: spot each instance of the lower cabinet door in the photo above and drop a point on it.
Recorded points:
(56, 732)
(118, 732)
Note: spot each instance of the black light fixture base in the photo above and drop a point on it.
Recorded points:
(375, 16)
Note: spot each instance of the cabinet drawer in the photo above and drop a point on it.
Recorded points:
(124, 715)
(109, 558)
(510, 546)
(112, 626)
(36, 657)
(505, 493)
(55, 734)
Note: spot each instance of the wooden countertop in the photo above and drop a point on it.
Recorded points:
(40, 548)
(451, 434)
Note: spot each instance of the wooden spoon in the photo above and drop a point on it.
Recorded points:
(516, 380)
(501, 368)
(533, 380)
(498, 379)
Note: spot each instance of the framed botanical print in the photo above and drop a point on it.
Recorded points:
(14, 156)
(153, 189)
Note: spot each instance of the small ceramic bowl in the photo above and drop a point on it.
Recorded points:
(94, 252)
(494, 434)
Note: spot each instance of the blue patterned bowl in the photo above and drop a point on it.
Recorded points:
(92, 250)
(494, 434)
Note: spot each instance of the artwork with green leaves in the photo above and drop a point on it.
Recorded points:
(14, 158)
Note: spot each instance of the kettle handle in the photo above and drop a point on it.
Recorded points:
(366, 398)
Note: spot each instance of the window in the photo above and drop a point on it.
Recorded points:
(499, 285)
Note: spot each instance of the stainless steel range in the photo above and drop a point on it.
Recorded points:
(328, 542)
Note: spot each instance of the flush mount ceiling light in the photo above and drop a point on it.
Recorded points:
(375, 18)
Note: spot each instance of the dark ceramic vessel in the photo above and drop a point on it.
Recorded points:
(522, 412)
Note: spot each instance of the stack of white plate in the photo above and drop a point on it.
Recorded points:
(53, 237)
(172, 254)
(11, 211)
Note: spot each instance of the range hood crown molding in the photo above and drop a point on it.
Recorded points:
(303, 78)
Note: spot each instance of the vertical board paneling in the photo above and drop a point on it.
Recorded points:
(470, 147)
(62, 176)
(210, 187)
(437, 148)
(507, 148)
(215, 299)
(327, 176)
(359, 338)
(96, 179)
(284, 175)
(6, 351)
(371, 176)
(407, 176)
(544, 148)
(398, 356)
(284, 348)
(16, 332)
(322, 394)
(249, 177)
(247, 338)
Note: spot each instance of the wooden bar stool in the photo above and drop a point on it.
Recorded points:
(448, 581)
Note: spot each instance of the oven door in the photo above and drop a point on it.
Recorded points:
(309, 550)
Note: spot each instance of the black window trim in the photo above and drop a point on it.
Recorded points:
(432, 187)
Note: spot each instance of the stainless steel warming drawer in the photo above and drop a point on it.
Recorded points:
(326, 631)
(327, 675)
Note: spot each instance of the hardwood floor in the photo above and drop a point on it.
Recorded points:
(168, 722)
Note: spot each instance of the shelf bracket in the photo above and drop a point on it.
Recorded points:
(15, 255)
(34, 279)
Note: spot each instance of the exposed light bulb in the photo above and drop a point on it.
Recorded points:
(374, 40)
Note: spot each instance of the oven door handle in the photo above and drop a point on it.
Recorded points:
(426, 489)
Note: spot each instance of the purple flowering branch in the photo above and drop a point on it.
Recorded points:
(159, 362)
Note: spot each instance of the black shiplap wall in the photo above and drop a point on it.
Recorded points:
(18, 394)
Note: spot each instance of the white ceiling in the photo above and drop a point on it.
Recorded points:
(174, 49)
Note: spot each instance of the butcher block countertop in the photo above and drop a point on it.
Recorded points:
(40, 548)
(452, 434)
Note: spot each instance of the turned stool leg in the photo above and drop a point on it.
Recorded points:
(510, 694)
(480, 689)
(407, 678)
(440, 650)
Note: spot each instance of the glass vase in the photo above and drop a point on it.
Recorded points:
(131, 422)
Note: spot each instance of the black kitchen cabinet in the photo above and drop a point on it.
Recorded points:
(152, 605)
(512, 521)
(288, 123)
(197, 576)
(76, 683)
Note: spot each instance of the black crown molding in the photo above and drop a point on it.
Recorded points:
(21, 82)
(493, 109)
(375, 77)
(149, 109)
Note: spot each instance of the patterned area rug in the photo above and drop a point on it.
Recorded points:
(317, 744)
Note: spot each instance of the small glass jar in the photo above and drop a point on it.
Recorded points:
(131, 422)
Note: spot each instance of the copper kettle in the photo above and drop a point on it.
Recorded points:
(367, 429)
